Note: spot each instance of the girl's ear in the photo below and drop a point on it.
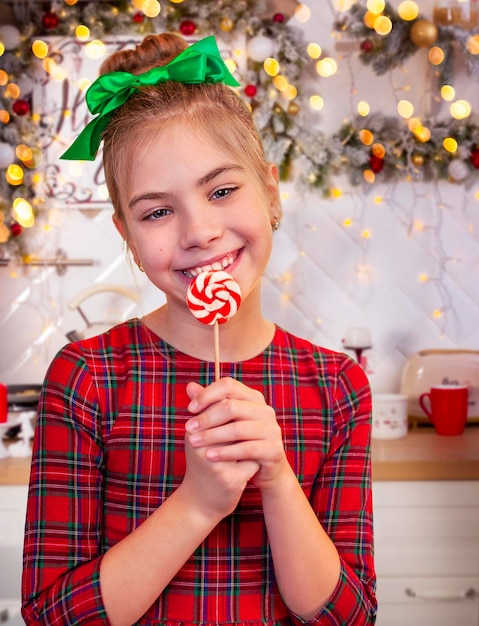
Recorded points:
(121, 228)
(276, 210)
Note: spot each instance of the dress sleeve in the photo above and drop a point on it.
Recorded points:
(342, 500)
(62, 547)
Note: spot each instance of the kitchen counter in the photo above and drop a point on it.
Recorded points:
(424, 455)
(421, 455)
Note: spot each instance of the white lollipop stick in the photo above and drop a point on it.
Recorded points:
(213, 298)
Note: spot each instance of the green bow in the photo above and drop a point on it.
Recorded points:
(199, 63)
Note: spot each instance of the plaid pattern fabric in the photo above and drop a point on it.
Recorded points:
(109, 450)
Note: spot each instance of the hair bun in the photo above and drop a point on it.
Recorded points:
(152, 51)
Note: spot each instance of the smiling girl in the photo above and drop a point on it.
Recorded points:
(159, 495)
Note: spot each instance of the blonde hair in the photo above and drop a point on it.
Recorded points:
(216, 111)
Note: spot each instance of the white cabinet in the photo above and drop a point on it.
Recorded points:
(13, 501)
(427, 552)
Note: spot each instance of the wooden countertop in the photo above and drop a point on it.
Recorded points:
(424, 455)
(421, 455)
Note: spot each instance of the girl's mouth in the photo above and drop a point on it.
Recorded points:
(220, 264)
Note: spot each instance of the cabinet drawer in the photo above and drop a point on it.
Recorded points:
(428, 601)
(430, 558)
(13, 504)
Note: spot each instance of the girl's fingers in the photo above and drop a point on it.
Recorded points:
(225, 388)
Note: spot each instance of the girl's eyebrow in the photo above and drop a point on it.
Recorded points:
(204, 180)
(149, 195)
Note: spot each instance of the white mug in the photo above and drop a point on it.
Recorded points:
(390, 419)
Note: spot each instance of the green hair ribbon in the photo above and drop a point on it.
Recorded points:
(199, 63)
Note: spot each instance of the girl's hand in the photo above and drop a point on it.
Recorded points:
(233, 424)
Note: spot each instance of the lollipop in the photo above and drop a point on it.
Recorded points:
(213, 298)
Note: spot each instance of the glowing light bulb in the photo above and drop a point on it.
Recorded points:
(82, 32)
(302, 13)
(460, 109)
(436, 55)
(316, 102)
(383, 25)
(151, 8)
(450, 144)
(326, 67)
(405, 109)
(472, 44)
(314, 50)
(12, 90)
(231, 65)
(23, 212)
(378, 150)
(448, 93)
(376, 6)
(423, 278)
(363, 108)
(271, 66)
(40, 49)
(366, 137)
(95, 49)
(369, 176)
(408, 10)
(14, 174)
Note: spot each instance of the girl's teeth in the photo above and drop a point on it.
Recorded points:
(217, 265)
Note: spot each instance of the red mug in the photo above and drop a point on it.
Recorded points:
(446, 407)
(3, 403)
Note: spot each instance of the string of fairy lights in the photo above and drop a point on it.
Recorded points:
(368, 148)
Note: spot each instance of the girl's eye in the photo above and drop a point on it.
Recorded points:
(157, 214)
(223, 192)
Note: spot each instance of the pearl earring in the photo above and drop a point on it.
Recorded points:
(275, 223)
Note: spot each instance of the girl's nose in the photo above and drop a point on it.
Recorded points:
(199, 230)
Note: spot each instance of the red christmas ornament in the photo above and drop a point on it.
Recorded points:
(50, 20)
(187, 27)
(21, 107)
(15, 229)
(278, 18)
(376, 163)
(366, 45)
(139, 18)
(250, 91)
(475, 158)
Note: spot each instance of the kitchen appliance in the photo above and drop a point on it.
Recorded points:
(94, 328)
(428, 368)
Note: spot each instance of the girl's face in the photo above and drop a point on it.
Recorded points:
(190, 207)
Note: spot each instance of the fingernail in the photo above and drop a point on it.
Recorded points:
(192, 426)
(192, 407)
(194, 439)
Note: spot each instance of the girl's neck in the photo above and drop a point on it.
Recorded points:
(244, 336)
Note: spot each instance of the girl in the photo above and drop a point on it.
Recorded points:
(159, 495)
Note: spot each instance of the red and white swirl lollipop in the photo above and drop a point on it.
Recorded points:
(213, 297)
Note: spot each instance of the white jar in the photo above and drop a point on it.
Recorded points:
(390, 418)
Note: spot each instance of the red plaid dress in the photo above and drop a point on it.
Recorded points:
(109, 449)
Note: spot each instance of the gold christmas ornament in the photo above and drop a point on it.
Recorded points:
(226, 24)
(417, 160)
(293, 108)
(423, 33)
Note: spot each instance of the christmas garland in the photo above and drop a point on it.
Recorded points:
(385, 52)
(280, 122)
(394, 149)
